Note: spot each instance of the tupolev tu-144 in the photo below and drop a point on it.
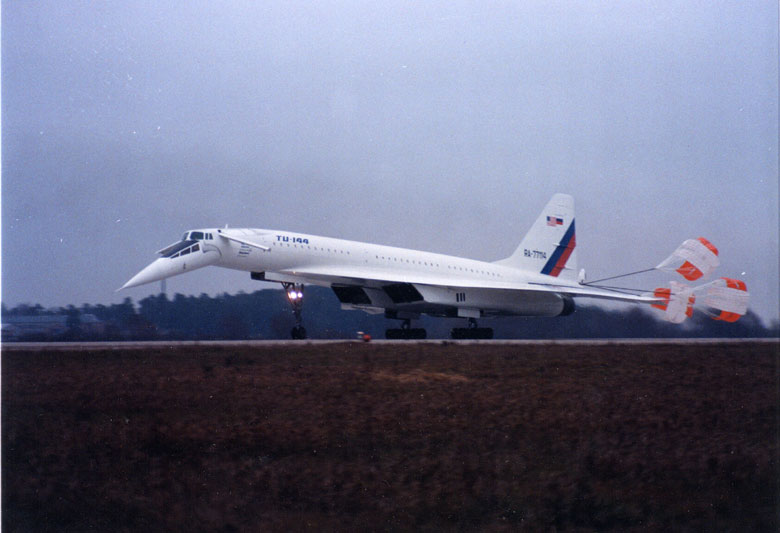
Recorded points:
(539, 279)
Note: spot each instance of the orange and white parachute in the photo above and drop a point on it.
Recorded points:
(677, 304)
(693, 259)
(727, 296)
(724, 299)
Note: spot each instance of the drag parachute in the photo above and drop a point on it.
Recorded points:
(723, 299)
(728, 296)
(677, 304)
(693, 259)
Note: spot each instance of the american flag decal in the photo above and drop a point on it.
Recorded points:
(554, 221)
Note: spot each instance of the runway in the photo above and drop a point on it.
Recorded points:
(141, 345)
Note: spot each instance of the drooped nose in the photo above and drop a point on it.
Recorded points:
(195, 255)
(159, 269)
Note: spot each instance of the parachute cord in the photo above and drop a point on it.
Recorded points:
(612, 288)
(620, 276)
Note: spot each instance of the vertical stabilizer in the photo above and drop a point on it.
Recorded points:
(548, 248)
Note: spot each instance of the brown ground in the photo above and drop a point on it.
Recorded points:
(392, 437)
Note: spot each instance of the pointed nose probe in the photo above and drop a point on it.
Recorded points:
(166, 267)
(153, 272)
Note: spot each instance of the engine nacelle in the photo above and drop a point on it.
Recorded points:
(568, 305)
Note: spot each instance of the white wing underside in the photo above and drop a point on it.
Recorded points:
(341, 275)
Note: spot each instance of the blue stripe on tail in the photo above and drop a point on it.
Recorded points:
(556, 256)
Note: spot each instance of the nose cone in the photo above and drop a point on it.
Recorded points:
(165, 267)
(159, 269)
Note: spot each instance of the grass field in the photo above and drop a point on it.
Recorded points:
(392, 437)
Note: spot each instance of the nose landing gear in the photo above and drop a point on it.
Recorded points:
(294, 292)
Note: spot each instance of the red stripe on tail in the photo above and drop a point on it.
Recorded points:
(564, 256)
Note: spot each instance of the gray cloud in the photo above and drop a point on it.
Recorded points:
(440, 126)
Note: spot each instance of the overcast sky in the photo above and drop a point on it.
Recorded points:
(443, 126)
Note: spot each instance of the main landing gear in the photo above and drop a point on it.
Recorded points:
(472, 331)
(406, 331)
(294, 292)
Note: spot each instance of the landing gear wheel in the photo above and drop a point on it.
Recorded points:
(406, 332)
(472, 331)
(298, 333)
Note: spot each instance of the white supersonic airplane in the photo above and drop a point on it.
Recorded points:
(538, 279)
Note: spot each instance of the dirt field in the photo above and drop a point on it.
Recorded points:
(392, 437)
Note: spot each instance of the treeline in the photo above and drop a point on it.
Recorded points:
(265, 314)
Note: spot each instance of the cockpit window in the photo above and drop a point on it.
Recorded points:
(184, 237)
(176, 248)
(196, 236)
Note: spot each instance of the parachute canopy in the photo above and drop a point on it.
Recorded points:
(729, 296)
(724, 299)
(693, 259)
(677, 303)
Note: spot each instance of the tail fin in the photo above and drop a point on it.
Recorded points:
(548, 247)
